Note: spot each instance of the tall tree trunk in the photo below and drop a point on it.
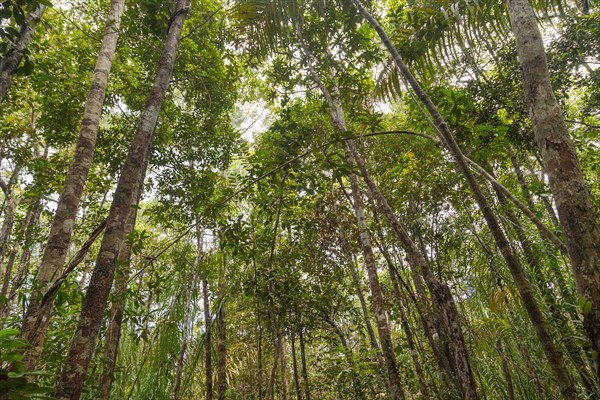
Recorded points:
(75, 367)
(285, 387)
(207, 341)
(25, 231)
(221, 338)
(573, 200)
(113, 331)
(61, 229)
(393, 375)
(10, 62)
(304, 367)
(505, 370)
(357, 286)
(553, 356)
(273, 375)
(295, 365)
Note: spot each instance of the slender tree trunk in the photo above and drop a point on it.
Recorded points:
(10, 62)
(363, 304)
(285, 387)
(74, 370)
(295, 365)
(409, 335)
(304, 367)
(6, 230)
(273, 375)
(221, 338)
(25, 233)
(61, 229)
(553, 356)
(396, 386)
(440, 292)
(207, 341)
(505, 370)
(573, 200)
(25, 251)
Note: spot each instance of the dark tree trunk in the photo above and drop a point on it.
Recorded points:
(304, 367)
(295, 365)
(72, 379)
(10, 62)
(207, 341)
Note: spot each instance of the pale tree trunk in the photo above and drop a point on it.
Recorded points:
(221, 338)
(207, 341)
(61, 229)
(553, 356)
(387, 347)
(10, 62)
(72, 379)
(572, 198)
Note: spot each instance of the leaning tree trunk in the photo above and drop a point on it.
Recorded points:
(61, 229)
(10, 62)
(72, 379)
(553, 356)
(572, 198)
(385, 338)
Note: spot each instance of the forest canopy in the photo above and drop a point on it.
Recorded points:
(280, 199)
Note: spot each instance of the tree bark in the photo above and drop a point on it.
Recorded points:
(72, 379)
(304, 367)
(113, 331)
(553, 356)
(221, 338)
(572, 198)
(207, 341)
(10, 62)
(295, 365)
(61, 229)
(387, 348)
